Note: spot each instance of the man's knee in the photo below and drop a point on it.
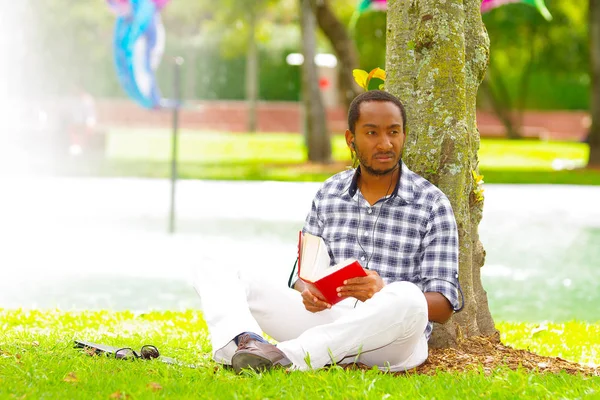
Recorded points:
(408, 296)
(255, 285)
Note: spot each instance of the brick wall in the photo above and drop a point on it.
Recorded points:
(231, 116)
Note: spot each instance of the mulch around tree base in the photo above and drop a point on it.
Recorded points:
(487, 354)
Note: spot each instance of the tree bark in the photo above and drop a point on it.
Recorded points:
(594, 133)
(316, 135)
(343, 46)
(437, 54)
(252, 71)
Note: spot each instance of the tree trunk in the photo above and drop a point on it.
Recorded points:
(594, 134)
(343, 46)
(252, 71)
(316, 136)
(500, 108)
(437, 53)
(526, 75)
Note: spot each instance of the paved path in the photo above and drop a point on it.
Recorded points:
(102, 243)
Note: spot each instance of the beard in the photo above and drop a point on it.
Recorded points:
(366, 165)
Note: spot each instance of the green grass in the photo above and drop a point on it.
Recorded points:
(273, 156)
(37, 361)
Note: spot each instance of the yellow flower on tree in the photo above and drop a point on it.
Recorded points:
(478, 190)
(363, 78)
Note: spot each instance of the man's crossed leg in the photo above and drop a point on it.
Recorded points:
(385, 331)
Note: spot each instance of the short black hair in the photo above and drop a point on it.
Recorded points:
(372, 95)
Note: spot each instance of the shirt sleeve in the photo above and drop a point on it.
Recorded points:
(313, 223)
(439, 269)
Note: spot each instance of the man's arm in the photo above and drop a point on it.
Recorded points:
(439, 308)
(439, 267)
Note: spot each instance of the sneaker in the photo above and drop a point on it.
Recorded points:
(257, 356)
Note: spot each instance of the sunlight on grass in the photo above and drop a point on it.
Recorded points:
(282, 157)
(207, 147)
(37, 360)
(555, 339)
(530, 154)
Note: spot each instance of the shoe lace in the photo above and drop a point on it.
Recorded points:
(243, 341)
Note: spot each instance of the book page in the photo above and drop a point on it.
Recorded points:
(310, 251)
(328, 271)
(322, 260)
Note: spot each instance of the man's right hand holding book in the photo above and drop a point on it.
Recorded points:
(312, 298)
(361, 288)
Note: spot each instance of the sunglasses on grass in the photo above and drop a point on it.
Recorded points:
(147, 352)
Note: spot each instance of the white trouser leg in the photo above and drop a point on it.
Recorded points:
(233, 303)
(225, 310)
(395, 317)
(400, 355)
(280, 312)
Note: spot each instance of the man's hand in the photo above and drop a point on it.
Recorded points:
(362, 288)
(313, 300)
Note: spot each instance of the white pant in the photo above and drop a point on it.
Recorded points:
(386, 330)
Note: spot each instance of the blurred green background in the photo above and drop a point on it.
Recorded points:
(536, 64)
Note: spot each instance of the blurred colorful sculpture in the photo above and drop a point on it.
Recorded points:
(487, 5)
(139, 42)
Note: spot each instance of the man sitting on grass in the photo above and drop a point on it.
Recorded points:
(402, 230)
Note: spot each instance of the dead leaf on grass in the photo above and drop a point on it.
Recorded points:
(90, 351)
(71, 378)
(155, 386)
(119, 395)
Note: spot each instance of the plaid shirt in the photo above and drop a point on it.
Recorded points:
(410, 235)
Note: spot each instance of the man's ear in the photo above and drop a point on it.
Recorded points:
(349, 139)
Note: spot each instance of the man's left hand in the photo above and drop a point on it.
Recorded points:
(362, 288)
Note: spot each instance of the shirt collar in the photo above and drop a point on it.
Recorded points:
(404, 189)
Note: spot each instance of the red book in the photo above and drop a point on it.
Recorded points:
(314, 267)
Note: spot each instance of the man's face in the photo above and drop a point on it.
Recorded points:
(379, 137)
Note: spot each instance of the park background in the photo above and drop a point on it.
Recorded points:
(91, 234)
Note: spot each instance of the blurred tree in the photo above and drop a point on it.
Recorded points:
(184, 21)
(437, 56)
(315, 125)
(532, 60)
(594, 134)
(343, 46)
(239, 22)
(370, 39)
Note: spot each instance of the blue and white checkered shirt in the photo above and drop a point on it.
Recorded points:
(410, 235)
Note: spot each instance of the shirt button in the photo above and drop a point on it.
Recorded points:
(366, 233)
(370, 210)
(362, 258)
